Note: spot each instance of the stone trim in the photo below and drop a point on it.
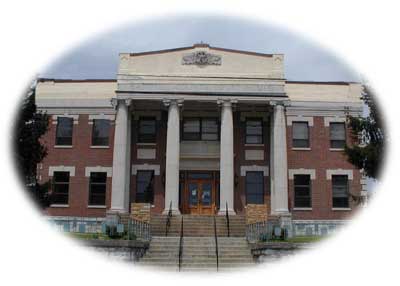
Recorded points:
(302, 171)
(330, 172)
(254, 168)
(140, 167)
(299, 118)
(70, 169)
(328, 120)
(75, 117)
(147, 113)
(110, 117)
(89, 170)
(253, 114)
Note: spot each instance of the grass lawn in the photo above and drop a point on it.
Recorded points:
(305, 239)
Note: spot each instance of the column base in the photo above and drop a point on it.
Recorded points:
(223, 212)
(174, 212)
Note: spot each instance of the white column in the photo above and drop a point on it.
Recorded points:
(279, 192)
(172, 158)
(226, 159)
(121, 159)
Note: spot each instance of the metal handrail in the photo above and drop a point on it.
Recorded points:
(180, 247)
(216, 242)
(168, 222)
(227, 219)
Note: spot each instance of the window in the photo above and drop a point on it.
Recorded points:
(300, 135)
(254, 187)
(340, 191)
(97, 189)
(144, 186)
(64, 131)
(147, 130)
(337, 135)
(302, 191)
(100, 132)
(209, 129)
(196, 129)
(254, 131)
(60, 188)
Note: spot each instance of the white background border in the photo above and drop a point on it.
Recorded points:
(34, 33)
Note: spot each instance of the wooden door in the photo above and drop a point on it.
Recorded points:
(200, 197)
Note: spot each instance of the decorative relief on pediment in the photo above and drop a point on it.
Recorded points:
(201, 58)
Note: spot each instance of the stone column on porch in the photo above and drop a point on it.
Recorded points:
(279, 170)
(121, 158)
(226, 159)
(172, 157)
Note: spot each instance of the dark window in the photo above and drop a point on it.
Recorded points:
(192, 175)
(196, 129)
(64, 131)
(144, 186)
(97, 188)
(101, 131)
(191, 129)
(254, 187)
(254, 131)
(300, 134)
(337, 135)
(147, 130)
(302, 191)
(60, 188)
(209, 129)
(340, 191)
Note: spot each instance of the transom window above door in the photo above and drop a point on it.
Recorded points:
(200, 129)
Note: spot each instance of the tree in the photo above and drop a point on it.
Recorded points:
(369, 132)
(29, 151)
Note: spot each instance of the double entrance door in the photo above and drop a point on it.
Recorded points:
(199, 196)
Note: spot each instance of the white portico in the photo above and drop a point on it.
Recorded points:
(184, 80)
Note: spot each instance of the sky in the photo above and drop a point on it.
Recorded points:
(97, 57)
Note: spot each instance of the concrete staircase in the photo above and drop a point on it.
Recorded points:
(199, 226)
(198, 253)
(199, 247)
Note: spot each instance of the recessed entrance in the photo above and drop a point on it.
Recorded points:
(199, 192)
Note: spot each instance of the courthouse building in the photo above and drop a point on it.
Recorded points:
(201, 130)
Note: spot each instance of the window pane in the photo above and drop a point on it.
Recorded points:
(255, 187)
(144, 186)
(340, 191)
(209, 126)
(191, 126)
(60, 188)
(101, 131)
(254, 131)
(98, 177)
(302, 191)
(64, 131)
(337, 131)
(254, 140)
(300, 130)
(61, 177)
(147, 130)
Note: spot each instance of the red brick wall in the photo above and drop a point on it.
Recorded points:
(80, 156)
(320, 158)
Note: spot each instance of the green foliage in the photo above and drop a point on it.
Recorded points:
(31, 124)
(368, 155)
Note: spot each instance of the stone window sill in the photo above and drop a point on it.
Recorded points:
(301, 148)
(341, 209)
(336, 149)
(63, 146)
(99, 147)
(96, 207)
(302, 209)
(253, 145)
(146, 144)
(59, 206)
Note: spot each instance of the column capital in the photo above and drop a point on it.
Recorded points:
(282, 103)
(170, 102)
(116, 101)
(226, 102)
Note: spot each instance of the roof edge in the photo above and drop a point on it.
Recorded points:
(322, 82)
(201, 45)
(75, 80)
